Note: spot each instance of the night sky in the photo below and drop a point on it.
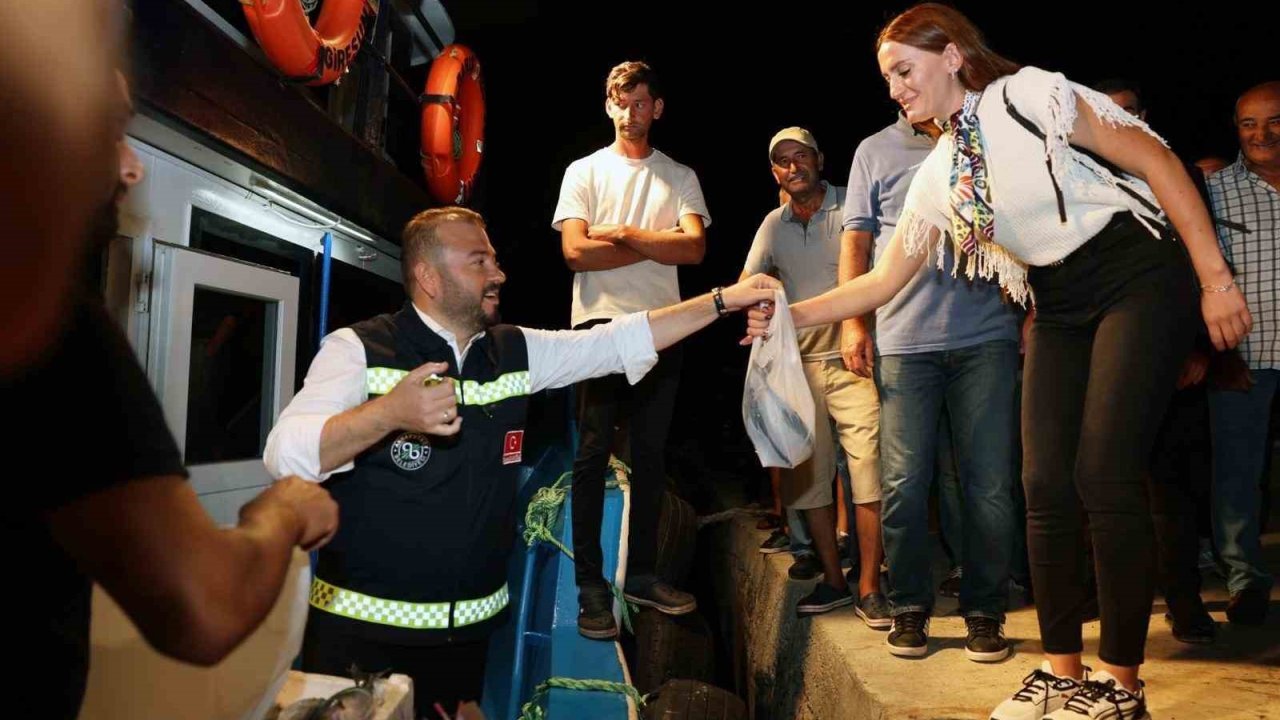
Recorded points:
(733, 78)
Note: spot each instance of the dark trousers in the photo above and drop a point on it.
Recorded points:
(443, 674)
(1114, 324)
(645, 409)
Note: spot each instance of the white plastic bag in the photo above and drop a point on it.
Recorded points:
(777, 407)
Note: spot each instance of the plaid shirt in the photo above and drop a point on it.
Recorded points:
(1247, 211)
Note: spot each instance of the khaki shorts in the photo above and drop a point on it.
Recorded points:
(847, 407)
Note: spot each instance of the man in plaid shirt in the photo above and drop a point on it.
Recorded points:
(1246, 206)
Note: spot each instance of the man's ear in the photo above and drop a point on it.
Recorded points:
(427, 279)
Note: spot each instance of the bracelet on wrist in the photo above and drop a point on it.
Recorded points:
(1218, 288)
(717, 295)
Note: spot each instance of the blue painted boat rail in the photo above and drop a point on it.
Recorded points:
(540, 639)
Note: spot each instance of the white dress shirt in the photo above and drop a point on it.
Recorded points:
(336, 380)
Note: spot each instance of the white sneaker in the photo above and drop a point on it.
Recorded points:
(1102, 697)
(1042, 693)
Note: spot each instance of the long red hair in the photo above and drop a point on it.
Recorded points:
(931, 26)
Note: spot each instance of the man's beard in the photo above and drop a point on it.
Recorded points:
(465, 311)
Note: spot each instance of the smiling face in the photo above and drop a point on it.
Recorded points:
(1258, 126)
(920, 81)
(469, 277)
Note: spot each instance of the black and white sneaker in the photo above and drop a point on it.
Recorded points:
(1042, 693)
(806, 567)
(1103, 698)
(824, 598)
(910, 635)
(985, 641)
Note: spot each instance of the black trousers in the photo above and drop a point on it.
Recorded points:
(444, 674)
(645, 409)
(1114, 323)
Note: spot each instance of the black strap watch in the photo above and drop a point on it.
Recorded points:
(717, 294)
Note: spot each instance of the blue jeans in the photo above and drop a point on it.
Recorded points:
(1239, 422)
(950, 496)
(976, 384)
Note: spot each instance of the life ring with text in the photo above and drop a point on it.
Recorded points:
(311, 55)
(452, 125)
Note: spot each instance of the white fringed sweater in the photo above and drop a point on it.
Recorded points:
(1029, 229)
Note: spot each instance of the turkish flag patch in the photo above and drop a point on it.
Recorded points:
(512, 447)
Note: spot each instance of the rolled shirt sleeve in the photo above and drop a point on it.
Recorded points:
(562, 357)
(335, 383)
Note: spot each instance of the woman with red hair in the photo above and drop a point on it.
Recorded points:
(1058, 194)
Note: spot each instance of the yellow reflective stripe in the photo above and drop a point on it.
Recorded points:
(414, 616)
(470, 612)
(512, 384)
(380, 381)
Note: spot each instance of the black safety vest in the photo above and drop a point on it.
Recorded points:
(429, 520)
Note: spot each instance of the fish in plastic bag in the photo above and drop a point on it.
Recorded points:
(777, 407)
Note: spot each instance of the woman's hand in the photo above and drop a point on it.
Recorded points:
(1226, 316)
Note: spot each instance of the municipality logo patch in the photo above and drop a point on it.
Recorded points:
(410, 451)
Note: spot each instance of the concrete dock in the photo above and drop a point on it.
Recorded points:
(835, 667)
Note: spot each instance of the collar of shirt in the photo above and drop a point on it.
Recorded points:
(908, 128)
(1241, 171)
(830, 201)
(459, 354)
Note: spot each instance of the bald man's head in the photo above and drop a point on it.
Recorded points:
(1258, 127)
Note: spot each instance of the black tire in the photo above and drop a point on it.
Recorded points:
(677, 538)
(693, 700)
(671, 647)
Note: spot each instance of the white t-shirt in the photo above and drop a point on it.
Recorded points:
(1028, 229)
(605, 188)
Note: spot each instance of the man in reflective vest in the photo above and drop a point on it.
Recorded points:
(415, 421)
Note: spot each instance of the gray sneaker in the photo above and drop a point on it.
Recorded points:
(873, 608)
(776, 542)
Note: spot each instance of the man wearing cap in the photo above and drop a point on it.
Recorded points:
(800, 242)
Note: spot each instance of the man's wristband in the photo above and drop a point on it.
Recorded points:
(717, 294)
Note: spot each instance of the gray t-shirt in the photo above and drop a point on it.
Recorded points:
(936, 310)
(806, 258)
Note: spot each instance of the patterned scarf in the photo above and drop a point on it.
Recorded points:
(972, 219)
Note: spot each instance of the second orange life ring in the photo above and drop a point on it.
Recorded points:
(452, 125)
(315, 56)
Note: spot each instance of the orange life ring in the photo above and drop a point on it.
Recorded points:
(452, 125)
(315, 56)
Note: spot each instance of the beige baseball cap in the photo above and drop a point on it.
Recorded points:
(798, 134)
